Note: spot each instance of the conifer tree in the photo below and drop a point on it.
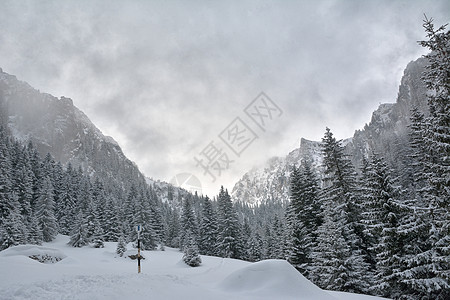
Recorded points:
(79, 236)
(189, 227)
(173, 229)
(382, 216)
(426, 259)
(34, 231)
(65, 207)
(13, 231)
(253, 247)
(5, 176)
(335, 266)
(121, 245)
(340, 197)
(45, 211)
(111, 220)
(191, 256)
(208, 229)
(303, 217)
(229, 241)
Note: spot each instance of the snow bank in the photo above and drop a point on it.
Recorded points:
(97, 273)
(272, 279)
(39, 253)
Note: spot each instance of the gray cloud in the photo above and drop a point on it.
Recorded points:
(164, 78)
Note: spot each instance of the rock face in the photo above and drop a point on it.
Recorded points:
(386, 133)
(57, 127)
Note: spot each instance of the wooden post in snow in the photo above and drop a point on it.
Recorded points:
(139, 229)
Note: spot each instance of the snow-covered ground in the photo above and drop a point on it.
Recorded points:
(90, 273)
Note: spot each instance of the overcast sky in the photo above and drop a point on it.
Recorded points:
(166, 78)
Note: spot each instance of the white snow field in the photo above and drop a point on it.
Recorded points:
(90, 273)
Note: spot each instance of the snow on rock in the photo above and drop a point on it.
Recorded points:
(39, 253)
(273, 279)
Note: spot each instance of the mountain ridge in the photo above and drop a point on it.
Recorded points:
(387, 129)
(56, 126)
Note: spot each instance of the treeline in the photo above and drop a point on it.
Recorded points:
(40, 198)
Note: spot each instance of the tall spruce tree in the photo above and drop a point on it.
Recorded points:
(189, 229)
(303, 217)
(340, 193)
(45, 211)
(208, 228)
(382, 217)
(12, 230)
(427, 259)
(229, 241)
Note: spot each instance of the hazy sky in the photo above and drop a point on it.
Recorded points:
(166, 78)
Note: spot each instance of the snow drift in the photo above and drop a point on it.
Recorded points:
(39, 253)
(275, 279)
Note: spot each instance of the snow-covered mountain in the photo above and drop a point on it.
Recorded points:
(57, 127)
(386, 133)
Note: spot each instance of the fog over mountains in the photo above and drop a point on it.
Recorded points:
(386, 133)
(60, 128)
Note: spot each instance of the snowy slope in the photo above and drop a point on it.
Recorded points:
(90, 273)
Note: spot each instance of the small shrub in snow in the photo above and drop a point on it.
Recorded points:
(121, 246)
(45, 258)
(98, 243)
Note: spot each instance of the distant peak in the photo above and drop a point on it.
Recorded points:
(66, 100)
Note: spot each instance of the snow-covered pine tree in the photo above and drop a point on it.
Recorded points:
(436, 79)
(45, 211)
(191, 256)
(143, 218)
(427, 271)
(121, 245)
(98, 237)
(34, 231)
(156, 218)
(5, 175)
(111, 221)
(13, 231)
(335, 266)
(79, 236)
(382, 217)
(297, 250)
(268, 243)
(418, 155)
(129, 212)
(23, 183)
(229, 242)
(173, 229)
(303, 216)
(278, 239)
(253, 247)
(189, 227)
(66, 205)
(340, 192)
(84, 225)
(208, 228)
